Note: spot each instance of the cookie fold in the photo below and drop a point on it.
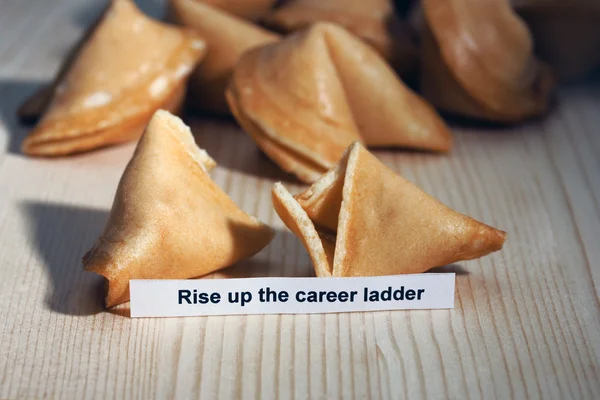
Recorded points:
(169, 220)
(129, 67)
(307, 97)
(373, 21)
(477, 61)
(362, 219)
(227, 38)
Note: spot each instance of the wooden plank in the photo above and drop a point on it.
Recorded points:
(526, 322)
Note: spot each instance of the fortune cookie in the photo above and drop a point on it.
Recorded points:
(227, 38)
(169, 220)
(129, 67)
(306, 98)
(362, 219)
(566, 34)
(477, 61)
(373, 21)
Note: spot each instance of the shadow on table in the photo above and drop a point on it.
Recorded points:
(12, 94)
(284, 257)
(446, 269)
(61, 234)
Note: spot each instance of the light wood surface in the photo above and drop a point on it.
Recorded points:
(526, 322)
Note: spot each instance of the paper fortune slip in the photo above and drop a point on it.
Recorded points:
(179, 298)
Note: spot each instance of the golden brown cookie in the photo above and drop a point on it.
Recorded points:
(478, 61)
(169, 220)
(362, 219)
(307, 97)
(129, 67)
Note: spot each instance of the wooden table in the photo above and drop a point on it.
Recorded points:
(526, 321)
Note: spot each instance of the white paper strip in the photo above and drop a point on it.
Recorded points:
(177, 298)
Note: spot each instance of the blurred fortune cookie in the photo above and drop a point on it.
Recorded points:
(362, 219)
(307, 97)
(227, 38)
(478, 62)
(373, 21)
(129, 67)
(566, 34)
(169, 220)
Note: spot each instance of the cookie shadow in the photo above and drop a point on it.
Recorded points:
(12, 94)
(283, 257)
(61, 234)
(447, 269)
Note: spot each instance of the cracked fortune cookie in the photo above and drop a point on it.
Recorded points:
(362, 219)
(129, 66)
(306, 98)
(477, 61)
(227, 38)
(169, 219)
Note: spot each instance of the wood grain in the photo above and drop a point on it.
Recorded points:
(526, 322)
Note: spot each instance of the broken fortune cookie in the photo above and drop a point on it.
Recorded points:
(306, 98)
(477, 61)
(362, 219)
(129, 67)
(227, 38)
(169, 220)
